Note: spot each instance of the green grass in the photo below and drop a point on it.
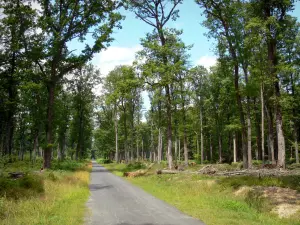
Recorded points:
(292, 182)
(204, 198)
(60, 201)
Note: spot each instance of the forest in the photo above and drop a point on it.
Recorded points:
(161, 114)
(244, 108)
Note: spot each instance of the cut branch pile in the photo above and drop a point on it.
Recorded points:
(135, 173)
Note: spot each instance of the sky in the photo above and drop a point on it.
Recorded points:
(127, 40)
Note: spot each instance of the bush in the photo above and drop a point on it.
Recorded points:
(256, 162)
(294, 166)
(255, 200)
(104, 161)
(197, 158)
(290, 161)
(69, 165)
(237, 165)
(135, 166)
(29, 185)
(52, 176)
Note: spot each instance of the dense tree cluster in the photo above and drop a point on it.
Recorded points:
(244, 108)
(46, 98)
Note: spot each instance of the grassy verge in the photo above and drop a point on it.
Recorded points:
(60, 198)
(208, 199)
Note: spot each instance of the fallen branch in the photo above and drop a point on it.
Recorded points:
(168, 172)
(134, 174)
(16, 175)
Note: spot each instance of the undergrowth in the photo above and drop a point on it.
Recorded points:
(292, 182)
(212, 199)
(54, 197)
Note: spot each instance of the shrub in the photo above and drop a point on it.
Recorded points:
(52, 176)
(104, 161)
(294, 166)
(135, 166)
(33, 182)
(197, 158)
(256, 162)
(237, 165)
(29, 185)
(255, 200)
(69, 165)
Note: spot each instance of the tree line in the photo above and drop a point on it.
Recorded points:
(244, 108)
(46, 98)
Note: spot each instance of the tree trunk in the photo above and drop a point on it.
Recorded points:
(234, 148)
(137, 149)
(272, 59)
(143, 153)
(179, 148)
(201, 135)
(271, 155)
(176, 150)
(169, 129)
(296, 145)
(116, 135)
(220, 148)
(159, 147)
(210, 149)
(280, 139)
(35, 146)
(49, 126)
(186, 157)
(249, 147)
(262, 122)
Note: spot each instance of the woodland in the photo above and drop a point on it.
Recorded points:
(221, 144)
(245, 108)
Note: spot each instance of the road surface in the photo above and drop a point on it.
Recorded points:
(114, 201)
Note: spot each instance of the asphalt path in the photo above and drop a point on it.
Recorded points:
(114, 201)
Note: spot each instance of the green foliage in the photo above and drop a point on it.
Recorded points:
(68, 165)
(135, 166)
(197, 158)
(284, 181)
(29, 185)
(104, 161)
(255, 200)
(257, 162)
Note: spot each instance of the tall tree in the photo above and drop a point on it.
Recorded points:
(63, 22)
(156, 14)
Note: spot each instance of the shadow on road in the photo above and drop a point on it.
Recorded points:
(95, 187)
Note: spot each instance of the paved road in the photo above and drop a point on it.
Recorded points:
(114, 201)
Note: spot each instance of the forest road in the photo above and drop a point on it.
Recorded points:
(114, 201)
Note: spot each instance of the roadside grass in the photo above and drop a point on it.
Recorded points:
(209, 199)
(292, 182)
(59, 200)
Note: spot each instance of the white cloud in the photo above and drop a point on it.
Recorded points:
(114, 56)
(207, 61)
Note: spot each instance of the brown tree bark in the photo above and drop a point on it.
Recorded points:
(49, 126)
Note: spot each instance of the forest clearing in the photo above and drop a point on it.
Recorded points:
(197, 102)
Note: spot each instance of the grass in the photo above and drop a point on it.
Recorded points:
(292, 182)
(204, 198)
(60, 199)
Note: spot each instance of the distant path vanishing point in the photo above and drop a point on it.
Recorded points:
(114, 201)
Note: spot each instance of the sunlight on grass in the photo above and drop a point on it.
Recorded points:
(204, 198)
(63, 201)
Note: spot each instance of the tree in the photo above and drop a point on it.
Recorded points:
(155, 14)
(63, 22)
